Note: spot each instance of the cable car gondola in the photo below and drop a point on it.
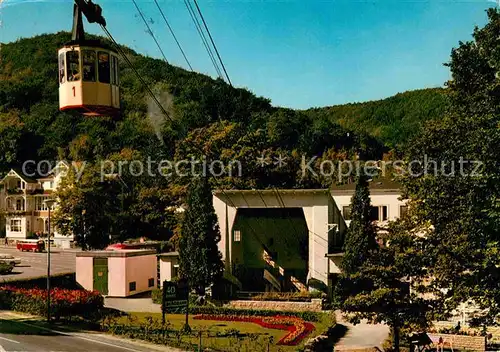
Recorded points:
(88, 69)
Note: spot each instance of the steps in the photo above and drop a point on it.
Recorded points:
(272, 279)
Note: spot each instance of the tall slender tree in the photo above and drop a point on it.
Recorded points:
(360, 241)
(200, 261)
(374, 284)
(361, 236)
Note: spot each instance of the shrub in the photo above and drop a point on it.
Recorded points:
(318, 285)
(156, 295)
(64, 303)
(6, 268)
(31, 236)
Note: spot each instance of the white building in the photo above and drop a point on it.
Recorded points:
(23, 199)
(280, 237)
(384, 196)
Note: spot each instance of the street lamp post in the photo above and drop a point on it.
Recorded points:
(49, 203)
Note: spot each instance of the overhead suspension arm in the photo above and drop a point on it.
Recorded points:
(92, 12)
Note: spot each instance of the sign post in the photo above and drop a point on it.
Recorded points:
(175, 299)
(183, 294)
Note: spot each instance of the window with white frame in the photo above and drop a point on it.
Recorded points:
(237, 236)
(15, 225)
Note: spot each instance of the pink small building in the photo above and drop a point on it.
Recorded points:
(117, 273)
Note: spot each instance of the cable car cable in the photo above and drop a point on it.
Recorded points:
(150, 31)
(120, 50)
(173, 34)
(149, 91)
(202, 36)
(212, 40)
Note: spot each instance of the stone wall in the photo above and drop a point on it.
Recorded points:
(468, 343)
(314, 306)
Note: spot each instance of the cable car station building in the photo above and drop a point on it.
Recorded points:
(278, 240)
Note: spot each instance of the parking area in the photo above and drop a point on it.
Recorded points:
(35, 264)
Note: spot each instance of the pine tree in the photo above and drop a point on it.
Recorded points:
(200, 261)
(360, 238)
(374, 282)
(360, 241)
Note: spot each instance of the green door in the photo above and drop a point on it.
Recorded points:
(101, 275)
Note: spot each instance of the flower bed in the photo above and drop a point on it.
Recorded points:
(63, 302)
(208, 310)
(297, 328)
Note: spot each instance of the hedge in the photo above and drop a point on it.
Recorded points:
(63, 303)
(67, 281)
(287, 296)
(307, 316)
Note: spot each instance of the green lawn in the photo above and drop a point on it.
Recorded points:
(252, 337)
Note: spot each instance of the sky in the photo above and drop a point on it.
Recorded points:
(299, 54)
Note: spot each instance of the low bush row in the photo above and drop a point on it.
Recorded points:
(63, 302)
(287, 296)
(306, 316)
(67, 281)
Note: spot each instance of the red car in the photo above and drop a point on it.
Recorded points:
(116, 246)
(31, 245)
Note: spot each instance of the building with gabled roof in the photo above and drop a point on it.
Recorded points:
(23, 203)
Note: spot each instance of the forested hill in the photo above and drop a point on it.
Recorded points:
(208, 113)
(392, 120)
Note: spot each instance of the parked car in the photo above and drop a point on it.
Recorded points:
(9, 259)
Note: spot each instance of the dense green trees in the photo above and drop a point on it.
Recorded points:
(88, 207)
(455, 187)
(444, 252)
(394, 120)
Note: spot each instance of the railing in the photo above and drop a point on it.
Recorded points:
(272, 280)
(18, 213)
(298, 285)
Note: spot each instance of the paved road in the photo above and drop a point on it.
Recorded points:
(35, 264)
(134, 304)
(24, 336)
(361, 336)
